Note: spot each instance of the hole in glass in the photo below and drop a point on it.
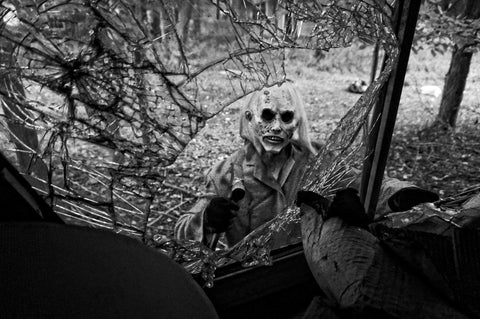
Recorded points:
(125, 151)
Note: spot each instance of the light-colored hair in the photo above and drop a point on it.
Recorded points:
(300, 138)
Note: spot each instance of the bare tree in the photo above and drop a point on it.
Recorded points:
(455, 24)
(457, 75)
(184, 18)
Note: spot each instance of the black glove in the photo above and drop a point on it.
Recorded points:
(409, 197)
(347, 205)
(314, 200)
(219, 214)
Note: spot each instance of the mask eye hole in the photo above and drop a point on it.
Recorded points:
(268, 115)
(287, 116)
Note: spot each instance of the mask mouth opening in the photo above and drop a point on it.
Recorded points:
(272, 139)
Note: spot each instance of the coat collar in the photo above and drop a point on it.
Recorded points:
(261, 171)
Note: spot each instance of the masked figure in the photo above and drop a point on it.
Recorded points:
(267, 170)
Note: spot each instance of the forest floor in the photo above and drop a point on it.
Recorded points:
(443, 162)
(446, 163)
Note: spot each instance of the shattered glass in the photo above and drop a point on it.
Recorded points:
(116, 93)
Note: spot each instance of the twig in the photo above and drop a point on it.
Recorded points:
(186, 191)
(169, 211)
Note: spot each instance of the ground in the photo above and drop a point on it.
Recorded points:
(445, 163)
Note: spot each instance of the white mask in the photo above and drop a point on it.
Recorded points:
(267, 121)
(273, 119)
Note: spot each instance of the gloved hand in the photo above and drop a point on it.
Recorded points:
(314, 200)
(408, 197)
(219, 214)
(346, 204)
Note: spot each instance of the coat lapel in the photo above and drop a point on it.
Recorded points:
(262, 173)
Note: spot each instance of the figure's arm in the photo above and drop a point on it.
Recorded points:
(212, 214)
(190, 225)
(395, 195)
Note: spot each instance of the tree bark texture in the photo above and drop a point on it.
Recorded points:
(154, 26)
(270, 8)
(457, 75)
(166, 18)
(357, 274)
(454, 86)
(184, 17)
(461, 8)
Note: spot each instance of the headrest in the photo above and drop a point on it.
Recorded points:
(59, 271)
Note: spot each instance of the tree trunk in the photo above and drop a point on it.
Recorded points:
(166, 21)
(270, 8)
(239, 9)
(456, 77)
(461, 8)
(454, 86)
(153, 18)
(184, 17)
(197, 20)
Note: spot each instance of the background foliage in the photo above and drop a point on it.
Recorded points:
(106, 152)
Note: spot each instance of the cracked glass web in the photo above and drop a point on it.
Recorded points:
(100, 76)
